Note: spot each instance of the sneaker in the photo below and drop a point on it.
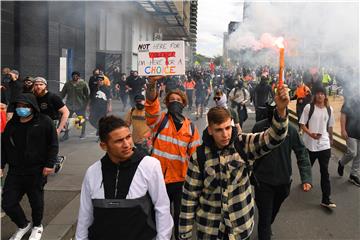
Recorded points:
(328, 204)
(20, 232)
(36, 233)
(82, 136)
(340, 169)
(60, 163)
(354, 180)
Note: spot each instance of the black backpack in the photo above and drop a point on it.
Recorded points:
(239, 146)
(312, 108)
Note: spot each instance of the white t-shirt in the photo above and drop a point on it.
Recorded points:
(317, 124)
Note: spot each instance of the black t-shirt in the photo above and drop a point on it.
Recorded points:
(50, 104)
(170, 83)
(102, 96)
(15, 89)
(122, 85)
(352, 118)
(136, 84)
(201, 89)
(93, 86)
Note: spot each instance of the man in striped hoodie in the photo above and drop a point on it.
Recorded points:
(217, 191)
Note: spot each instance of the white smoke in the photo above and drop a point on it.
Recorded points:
(316, 34)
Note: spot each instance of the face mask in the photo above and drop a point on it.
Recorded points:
(175, 109)
(140, 106)
(222, 101)
(23, 111)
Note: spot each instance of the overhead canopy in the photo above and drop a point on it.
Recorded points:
(167, 15)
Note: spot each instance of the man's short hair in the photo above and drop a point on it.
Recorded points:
(218, 115)
(108, 124)
(75, 73)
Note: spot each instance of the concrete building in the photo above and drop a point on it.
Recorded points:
(53, 38)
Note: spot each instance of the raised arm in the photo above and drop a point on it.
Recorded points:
(259, 144)
(152, 105)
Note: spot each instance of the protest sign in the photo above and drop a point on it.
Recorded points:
(161, 58)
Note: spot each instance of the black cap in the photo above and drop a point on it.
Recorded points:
(28, 78)
(100, 76)
(319, 89)
(139, 97)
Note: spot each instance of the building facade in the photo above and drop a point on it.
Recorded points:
(52, 39)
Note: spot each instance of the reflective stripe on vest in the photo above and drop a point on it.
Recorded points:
(168, 155)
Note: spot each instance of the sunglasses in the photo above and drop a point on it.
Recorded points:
(217, 98)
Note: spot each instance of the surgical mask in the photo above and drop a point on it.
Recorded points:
(23, 111)
(175, 110)
(140, 106)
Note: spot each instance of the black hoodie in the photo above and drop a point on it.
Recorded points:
(38, 150)
(263, 93)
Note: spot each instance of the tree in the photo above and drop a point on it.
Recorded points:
(201, 59)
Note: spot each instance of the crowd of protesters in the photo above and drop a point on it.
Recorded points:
(155, 158)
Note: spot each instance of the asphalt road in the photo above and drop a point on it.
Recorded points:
(300, 217)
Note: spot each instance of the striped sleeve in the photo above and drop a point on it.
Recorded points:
(259, 144)
(190, 198)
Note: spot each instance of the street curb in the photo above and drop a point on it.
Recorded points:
(339, 142)
(63, 226)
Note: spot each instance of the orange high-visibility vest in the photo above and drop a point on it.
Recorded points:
(302, 91)
(172, 148)
(189, 85)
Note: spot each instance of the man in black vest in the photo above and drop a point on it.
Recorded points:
(123, 191)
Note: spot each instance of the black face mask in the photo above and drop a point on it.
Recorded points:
(175, 110)
(140, 106)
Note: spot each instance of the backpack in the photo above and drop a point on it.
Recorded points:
(239, 146)
(312, 108)
(162, 126)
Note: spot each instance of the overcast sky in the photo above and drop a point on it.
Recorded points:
(213, 19)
